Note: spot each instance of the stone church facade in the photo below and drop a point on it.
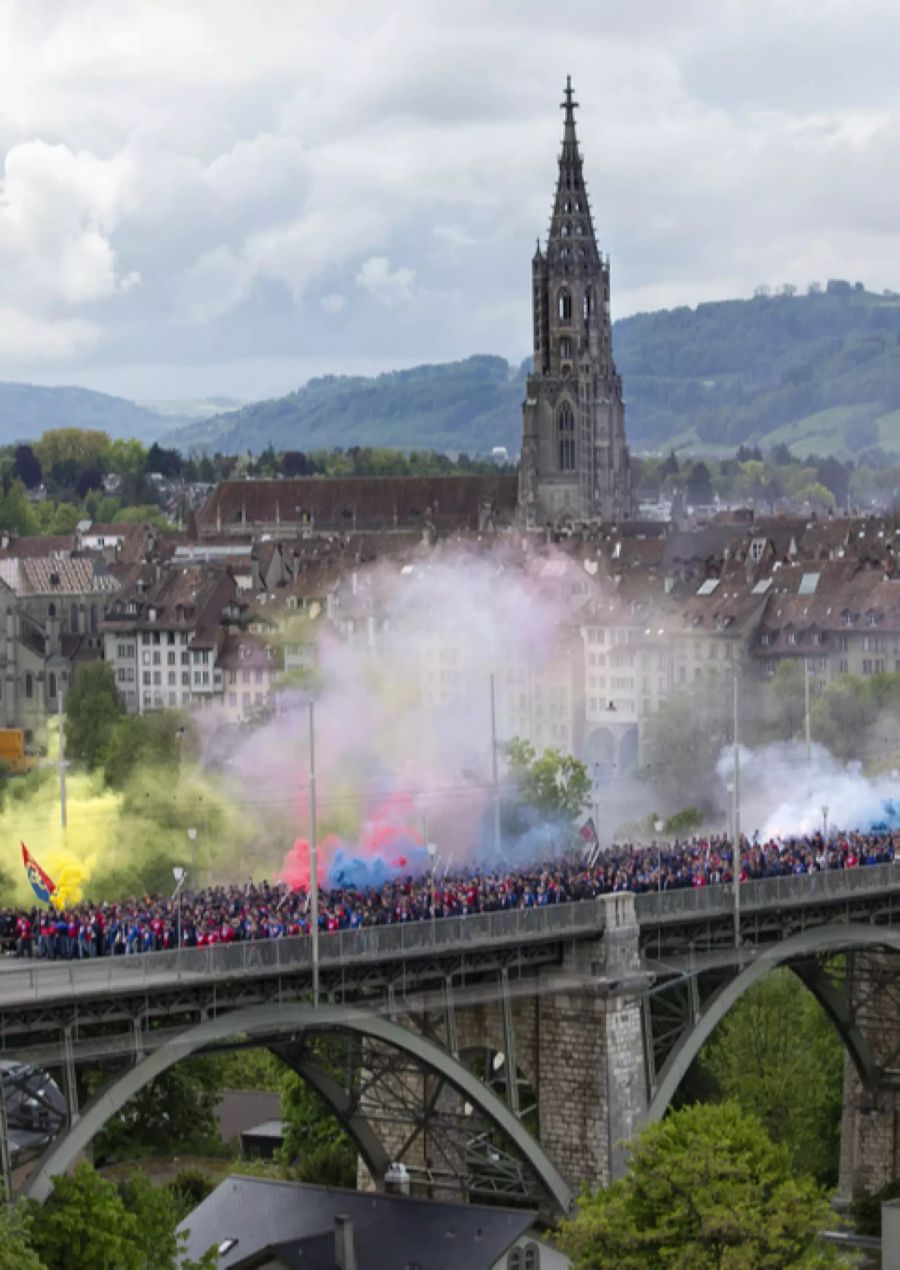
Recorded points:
(574, 464)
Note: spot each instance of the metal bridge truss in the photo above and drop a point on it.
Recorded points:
(394, 1084)
(685, 1005)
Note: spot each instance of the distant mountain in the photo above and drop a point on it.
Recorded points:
(819, 372)
(27, 410)
(471, 405)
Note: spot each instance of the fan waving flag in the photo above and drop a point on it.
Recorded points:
(588, 830)
(42, 885)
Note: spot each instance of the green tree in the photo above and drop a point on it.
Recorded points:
(777, 1055)
(785, 703)
(125, 458)
(82, 446)
(148, 740)
(158, 1211)
(85, 1226)
(66, 516)
(16, 512)
(16, 1248)
(174, 1113)
(554, 783)
(310, 1129)
(706, 1188)
(93, 707)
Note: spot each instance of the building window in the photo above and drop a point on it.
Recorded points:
(51, 684)
(565, 349)
(586, 306)
(532, 1257)
(565, 306)
(565, 428)
(51, 610)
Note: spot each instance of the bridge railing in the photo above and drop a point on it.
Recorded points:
(830, 886)
(29, 980)
(38, 979)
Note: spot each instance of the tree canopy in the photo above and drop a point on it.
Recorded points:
(777, 1055)
(93, 706)
(705, 1188)
(553, 783)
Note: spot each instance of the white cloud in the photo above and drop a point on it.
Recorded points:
(198, 182)
(58, 210)
(26, 339)
(386, 285)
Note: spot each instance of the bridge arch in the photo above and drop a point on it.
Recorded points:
(823, 939)
(274, 1022)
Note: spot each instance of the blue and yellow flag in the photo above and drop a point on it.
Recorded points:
(42, 885)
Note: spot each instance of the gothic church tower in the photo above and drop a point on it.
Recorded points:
(574, 464)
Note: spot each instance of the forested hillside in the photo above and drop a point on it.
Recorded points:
(819, 372)
(27, 410)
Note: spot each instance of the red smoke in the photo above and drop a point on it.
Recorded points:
(387, 835)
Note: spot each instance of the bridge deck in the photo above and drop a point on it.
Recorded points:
(36, 995)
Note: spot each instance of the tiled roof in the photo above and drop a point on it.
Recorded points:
(76, 576)
(347, 503)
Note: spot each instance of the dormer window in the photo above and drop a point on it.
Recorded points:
(757, 549)
(151, 614)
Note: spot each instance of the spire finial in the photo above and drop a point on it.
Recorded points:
(569, 106)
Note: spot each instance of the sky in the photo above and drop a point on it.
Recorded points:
(225, 197)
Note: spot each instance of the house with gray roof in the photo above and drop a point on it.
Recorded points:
(260, 1224)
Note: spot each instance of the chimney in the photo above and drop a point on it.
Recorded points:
(344, 1246)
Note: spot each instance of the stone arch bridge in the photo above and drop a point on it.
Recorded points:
(507, 1055)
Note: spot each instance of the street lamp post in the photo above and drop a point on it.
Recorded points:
(825, 822)
(736, 817)
(658, 827)
(180, 876)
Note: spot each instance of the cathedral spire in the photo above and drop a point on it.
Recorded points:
(571, 218)
(570, 141)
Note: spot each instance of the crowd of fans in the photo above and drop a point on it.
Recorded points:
(256, 911)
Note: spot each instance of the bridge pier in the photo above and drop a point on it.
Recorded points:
(593, 1089)
(566, 1053)
(870, 1125)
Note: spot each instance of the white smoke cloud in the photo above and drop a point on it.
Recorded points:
(783, 793)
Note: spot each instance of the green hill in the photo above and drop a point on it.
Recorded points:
(27, 410)
(819, 372)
